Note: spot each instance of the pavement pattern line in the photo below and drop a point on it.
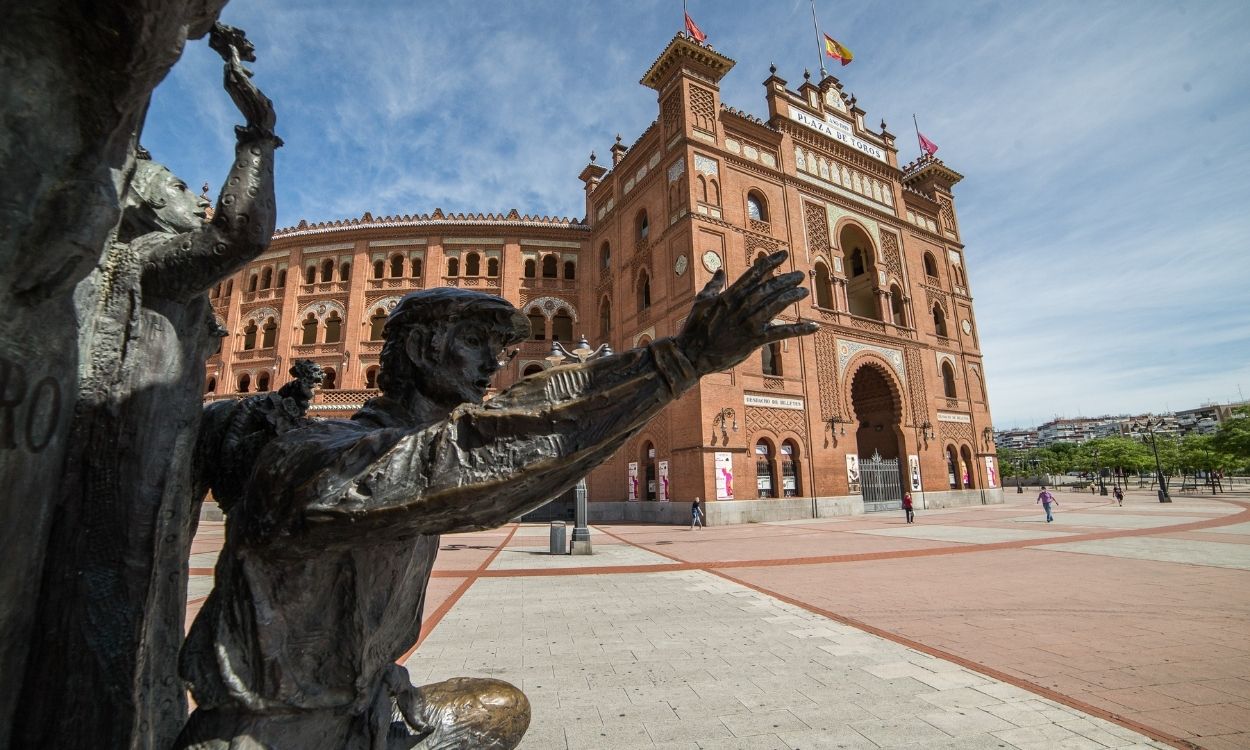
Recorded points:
(984, 669)
(678, 564)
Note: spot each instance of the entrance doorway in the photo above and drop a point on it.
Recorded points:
(878, 412)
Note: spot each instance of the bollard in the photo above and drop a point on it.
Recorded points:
(558, 544)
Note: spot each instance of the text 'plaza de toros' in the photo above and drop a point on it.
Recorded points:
(888, 396)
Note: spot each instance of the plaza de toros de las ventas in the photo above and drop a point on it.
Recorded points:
(889, 396)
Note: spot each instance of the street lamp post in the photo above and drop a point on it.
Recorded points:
(1149, 426)
(1102, 486)
(1019, 470)
(559, 356)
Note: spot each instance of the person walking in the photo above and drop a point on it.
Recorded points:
(907, 508)
(696, 515)
(1046, 499)
(1119, 496)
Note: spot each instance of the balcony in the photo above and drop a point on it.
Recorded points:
(550, 285)
(247, 355)
(397, 282)
(342, 399)
(317, 350)
(472, 282)
(324, 287)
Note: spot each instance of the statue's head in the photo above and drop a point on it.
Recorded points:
(445, 343)
(158, 201)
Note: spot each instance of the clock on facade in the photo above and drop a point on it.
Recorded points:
(967, 326)
(679, 267)
(711, 261)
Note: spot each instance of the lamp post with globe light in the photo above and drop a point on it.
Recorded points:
(560, 356)
(1149, 426)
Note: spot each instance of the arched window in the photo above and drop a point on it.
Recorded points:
(397, 266)
(605, 256)
(377, 322)
(531, 268)
(952, 467)
(492, 267)
(644, 291)
(334, 328)
(266, 278)
(473, 265)
(930, 266)
(896, 306)
(345, 272)
(310, 330)
(371, 377)
(978, 390)
(269, 334)
(453, 266)
(791, 484)
(531, 369)
(244, 384)
(538, 326)
(562, 326)
(330, 381)
(959, 276)
(857, 263)
(550, 264)
(765, 483)
(327, 270)
(379, 268)
(417, 268)
(262, 382)
(229, 287)
(249, 335)
(968, 477)
(570, 270)
(216, 291)
(756, 207)
(939, 321)
(642, 227)
(252, 282)
(310, 275)
(824, 287)
(281, 278)
(948, 380)
(605, 318)
(770, 358)
(211, 386)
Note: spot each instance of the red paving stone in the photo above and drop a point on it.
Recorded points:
(1159, 647)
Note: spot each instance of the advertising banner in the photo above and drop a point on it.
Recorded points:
(633, 481)
(913, 470)
(991, 472)
(662, 493)
(852, 473)
(724, 476)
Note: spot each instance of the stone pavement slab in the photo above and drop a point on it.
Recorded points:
(1216, 554)
(752, 671)
(964, 534)
(517, 558)
(1116, 521)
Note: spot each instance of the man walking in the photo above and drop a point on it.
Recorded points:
(1046, 499)
(696, 516)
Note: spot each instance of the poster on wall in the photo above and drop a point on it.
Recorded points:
(724, 476)
(991, 472)
(913, 466)
(852, 473)
(633, 481)
(662, 495)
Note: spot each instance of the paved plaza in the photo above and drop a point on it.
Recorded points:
(983, 627)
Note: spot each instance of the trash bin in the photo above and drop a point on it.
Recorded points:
(559, 545)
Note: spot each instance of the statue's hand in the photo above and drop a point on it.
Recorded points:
(256, 108)
(725, 327)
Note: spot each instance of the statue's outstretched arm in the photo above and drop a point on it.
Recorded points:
(487, 464)
(182, 265)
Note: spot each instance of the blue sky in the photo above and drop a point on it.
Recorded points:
(1106, 208)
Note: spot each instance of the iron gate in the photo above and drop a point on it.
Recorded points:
(880, 480)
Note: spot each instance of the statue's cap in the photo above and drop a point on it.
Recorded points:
(449, 304)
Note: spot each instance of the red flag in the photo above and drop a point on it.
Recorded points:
(926, 145)
(693, 30)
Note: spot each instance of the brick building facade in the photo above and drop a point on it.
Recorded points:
(895, 371)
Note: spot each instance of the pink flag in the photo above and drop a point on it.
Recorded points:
(926, 145)
(694, 31)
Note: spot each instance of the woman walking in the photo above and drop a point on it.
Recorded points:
(907, 508)
(696, 516)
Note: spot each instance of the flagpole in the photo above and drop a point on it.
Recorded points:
(917, 126)
(684, 15)
(820, 52)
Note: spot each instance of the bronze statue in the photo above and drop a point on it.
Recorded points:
(321, 582)
(113, 592)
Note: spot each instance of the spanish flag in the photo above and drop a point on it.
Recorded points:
(837, 51)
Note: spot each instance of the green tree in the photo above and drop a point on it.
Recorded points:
(1233, 435)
